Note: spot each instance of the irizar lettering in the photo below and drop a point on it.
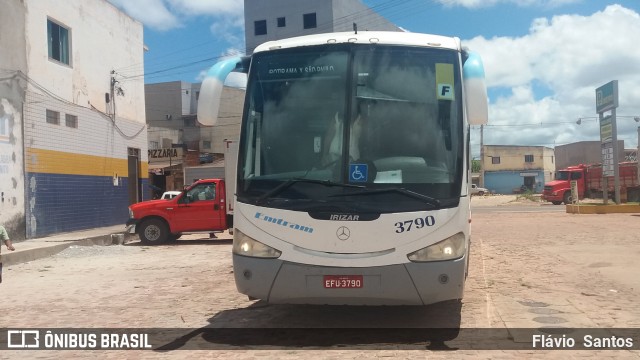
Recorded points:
(343, 217)
(283, 222)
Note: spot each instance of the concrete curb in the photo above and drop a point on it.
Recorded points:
(603, 209)
(47, 249)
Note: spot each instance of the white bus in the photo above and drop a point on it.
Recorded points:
(353, 167)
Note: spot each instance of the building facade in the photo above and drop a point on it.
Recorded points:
(73, 154)
(583, 152)
(171, 109)
(280, 19)
(512, 169)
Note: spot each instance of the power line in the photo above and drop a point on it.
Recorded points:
(47, 92)
(369, 16)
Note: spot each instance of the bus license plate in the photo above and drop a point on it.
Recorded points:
(343, 281)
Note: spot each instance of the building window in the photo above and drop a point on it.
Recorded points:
(53, 117)
(191, 122)
(59, 42)
(260, 27)
(282, 22)
(197, 95)
(206, 144)
(495, 159)
(71, 121)
(154, 145)
(528, 158)
(309, 20)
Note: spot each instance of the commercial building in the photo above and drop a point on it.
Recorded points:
(583, 152)
(512, 169)
(280, 19)
(171, 107)
(177, 140)
(73, 144)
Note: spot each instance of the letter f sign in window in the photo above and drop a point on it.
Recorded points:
(445, 92)
(444, 82)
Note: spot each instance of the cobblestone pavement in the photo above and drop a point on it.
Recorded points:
(528, 270)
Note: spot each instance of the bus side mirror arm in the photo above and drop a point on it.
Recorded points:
(212, 85)
(475, 90)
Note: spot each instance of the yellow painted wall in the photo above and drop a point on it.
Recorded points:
(58, 162)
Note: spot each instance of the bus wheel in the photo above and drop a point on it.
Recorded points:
(567, 198)
(153, 231)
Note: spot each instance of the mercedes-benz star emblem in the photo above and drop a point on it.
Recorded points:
(343, 233)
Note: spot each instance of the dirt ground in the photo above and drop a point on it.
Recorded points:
(498, 200)
(529, 269)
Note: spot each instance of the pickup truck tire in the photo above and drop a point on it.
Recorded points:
(174, 237)
(153, 231)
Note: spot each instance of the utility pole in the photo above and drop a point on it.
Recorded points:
(482, 155)
(616, 165)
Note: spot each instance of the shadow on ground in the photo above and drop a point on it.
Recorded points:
(263, 326)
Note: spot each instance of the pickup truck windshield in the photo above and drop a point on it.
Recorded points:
(381, 117)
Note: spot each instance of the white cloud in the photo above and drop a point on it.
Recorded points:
(169, 14)
(227, 17)
(570, 56)
(152, 13)
(208, 7)
(474, 4)
(227, 29)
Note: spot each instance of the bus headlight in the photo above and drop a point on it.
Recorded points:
(451, 248)
(247, 246)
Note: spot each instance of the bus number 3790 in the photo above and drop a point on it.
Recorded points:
(407, 225)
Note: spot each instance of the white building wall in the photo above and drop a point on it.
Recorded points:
(12, 202)
(78, 177)
(13, 65)
(102, 39)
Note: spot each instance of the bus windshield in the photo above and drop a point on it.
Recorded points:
(383, 117)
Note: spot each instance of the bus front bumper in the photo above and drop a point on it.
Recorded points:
(281, 282)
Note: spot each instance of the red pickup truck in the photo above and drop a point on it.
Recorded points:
(200, 208)
(205, 206)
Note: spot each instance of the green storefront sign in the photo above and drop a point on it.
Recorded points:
(607, 97)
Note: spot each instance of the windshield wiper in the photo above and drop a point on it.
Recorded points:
(428, 199)
(285, 185)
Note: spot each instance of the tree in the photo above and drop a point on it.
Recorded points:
(475, 166)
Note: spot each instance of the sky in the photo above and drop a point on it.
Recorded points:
(543, 59)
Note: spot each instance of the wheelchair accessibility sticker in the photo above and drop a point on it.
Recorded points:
(358, 172)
